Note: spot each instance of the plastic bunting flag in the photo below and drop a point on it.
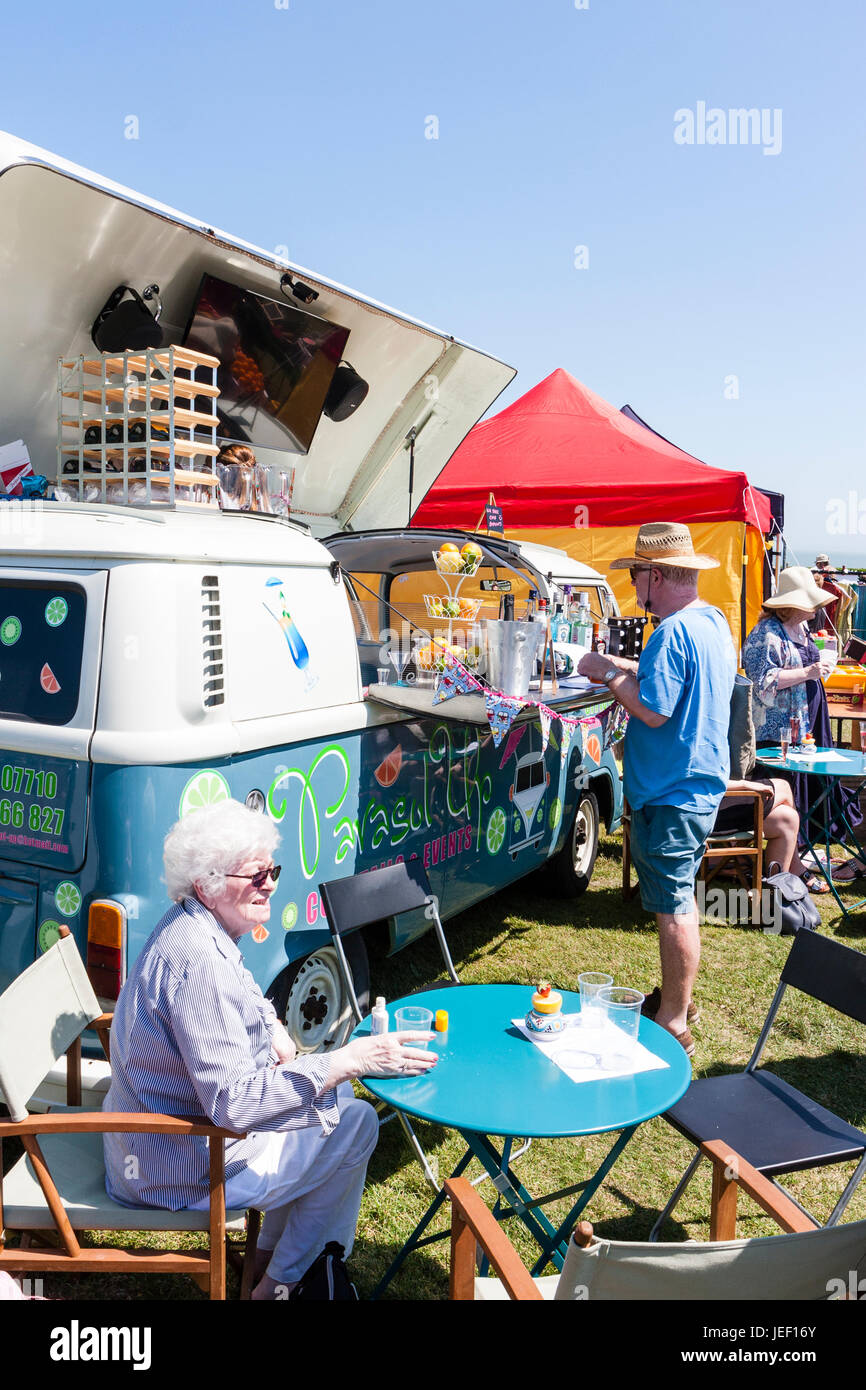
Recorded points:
(567, 728)
(501, 713)
(616, 725)
(513, 740)
(544, 715)
(455, 680)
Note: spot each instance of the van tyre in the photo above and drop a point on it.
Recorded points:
(311, 1000)
(571, 869)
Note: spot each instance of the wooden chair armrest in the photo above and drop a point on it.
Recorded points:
(731, 1171)
(104, 1021)
(744, 791)
(472, 1221)
(112, 1122)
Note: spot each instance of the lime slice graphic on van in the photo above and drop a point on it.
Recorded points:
(555, 813)
(55, 611)
(10, 631)
(495, 831)
(290, 916)
(49, 932)
(67, 899)
(204, 789)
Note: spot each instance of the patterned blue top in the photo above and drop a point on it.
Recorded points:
(192, 1037)
(768, 650)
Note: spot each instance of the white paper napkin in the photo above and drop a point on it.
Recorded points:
(589, 1054)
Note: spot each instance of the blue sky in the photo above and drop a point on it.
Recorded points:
(305, 126)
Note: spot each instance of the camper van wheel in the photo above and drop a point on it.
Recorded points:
(571, 869)
(310, 998)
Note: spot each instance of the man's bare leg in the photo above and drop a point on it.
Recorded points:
(680, 951)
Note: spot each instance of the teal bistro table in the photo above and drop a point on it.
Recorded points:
(494, 1085)
(825, 810)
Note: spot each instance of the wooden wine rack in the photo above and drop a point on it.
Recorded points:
(135, 396)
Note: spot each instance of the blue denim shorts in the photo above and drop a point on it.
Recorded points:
(667, 845)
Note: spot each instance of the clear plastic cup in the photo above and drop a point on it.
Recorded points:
(413, 1019)
(591, 1011)
(622, 1008)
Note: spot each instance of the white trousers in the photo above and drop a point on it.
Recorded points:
(309, 1185)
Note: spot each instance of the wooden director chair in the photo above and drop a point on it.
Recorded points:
(57, 1187)
(808, 1263)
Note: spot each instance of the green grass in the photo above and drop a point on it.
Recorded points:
(521, 935)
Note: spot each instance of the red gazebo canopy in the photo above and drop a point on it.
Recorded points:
(561, 446)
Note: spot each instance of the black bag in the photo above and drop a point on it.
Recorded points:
(327, 1280)
(792, 907)
(124, 324)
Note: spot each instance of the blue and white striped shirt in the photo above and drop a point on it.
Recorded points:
(192, 1036)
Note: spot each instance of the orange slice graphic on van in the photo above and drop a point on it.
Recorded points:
(593, 747)
(47, 679)
(259, 934)
(388, 771)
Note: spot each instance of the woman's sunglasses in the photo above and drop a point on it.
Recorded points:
(260, 879)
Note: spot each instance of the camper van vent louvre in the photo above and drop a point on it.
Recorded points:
(213, 681)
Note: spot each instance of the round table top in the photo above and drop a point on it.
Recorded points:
(852, 764)
(491, 1079)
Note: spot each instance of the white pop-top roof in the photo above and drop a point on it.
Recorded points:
(89, 534)
(68, 237)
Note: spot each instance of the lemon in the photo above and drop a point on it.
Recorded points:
(206, 788)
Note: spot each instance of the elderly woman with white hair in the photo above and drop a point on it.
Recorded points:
(194, 1036)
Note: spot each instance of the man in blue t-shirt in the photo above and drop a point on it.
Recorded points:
(676, 761)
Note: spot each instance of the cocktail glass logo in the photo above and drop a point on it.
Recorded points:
(721, 905)
(846, 516)
(712, 125)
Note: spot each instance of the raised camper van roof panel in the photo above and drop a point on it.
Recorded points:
(93, 535)
(69, 236)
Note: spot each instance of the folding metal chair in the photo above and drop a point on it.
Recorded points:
(775, 1127)
(359, 901)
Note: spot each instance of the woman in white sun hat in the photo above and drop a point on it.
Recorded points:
(786, 669)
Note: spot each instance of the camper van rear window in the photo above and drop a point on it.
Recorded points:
(41, 642)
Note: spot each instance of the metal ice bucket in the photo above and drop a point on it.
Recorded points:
(511, 649)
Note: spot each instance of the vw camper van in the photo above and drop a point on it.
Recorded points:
(160, 651)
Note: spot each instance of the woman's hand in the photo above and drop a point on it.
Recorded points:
(819, 669)
(382, 1055)
(282, 1044)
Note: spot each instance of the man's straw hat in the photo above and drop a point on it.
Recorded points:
(797, 589)
(665, 543)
